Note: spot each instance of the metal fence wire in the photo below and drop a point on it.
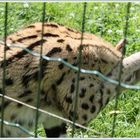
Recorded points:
(74, 68)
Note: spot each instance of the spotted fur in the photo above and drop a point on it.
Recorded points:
(58, 83)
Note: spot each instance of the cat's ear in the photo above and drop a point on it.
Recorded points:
(121, 45)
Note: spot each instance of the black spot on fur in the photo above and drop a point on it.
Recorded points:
(70, 29)
(26, 66)
(109, 74)
(97, 75)
(95, 60)
(68, 71)
(50, 35)
(68, 99)
(73, 80)
(85, 117)
(82, 93)
(7, 48)
(74, 64)
(101, 91)
(51, 25)
(91, 85)
(35, 75)
(59, 81)
(54, 51)
(65, 59)
(31, 46)
(104, 61)
(72, 88)
(13, 41)
(30, 123)
(85, 106)
(37, 43)
(25, 80)
(82, 78)
(13, 117)
(38, 31)
(19, 105)
(102, 86)
(99, 70)
(60, 40)
(61, 66)
(93, 109)
(31, 26)
(25, 93)
(27, 37)
(29, 100)
(42, 92)
(8, 133)
(91, 98)
(8, 82)
(68, 48)
(53, 86)
(6, 103)
(108, 91)
(47, 100)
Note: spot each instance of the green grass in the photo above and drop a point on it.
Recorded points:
(103, 19)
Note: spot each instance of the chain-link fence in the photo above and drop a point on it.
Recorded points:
(46, 17)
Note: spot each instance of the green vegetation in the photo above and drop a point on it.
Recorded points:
(106, 19)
